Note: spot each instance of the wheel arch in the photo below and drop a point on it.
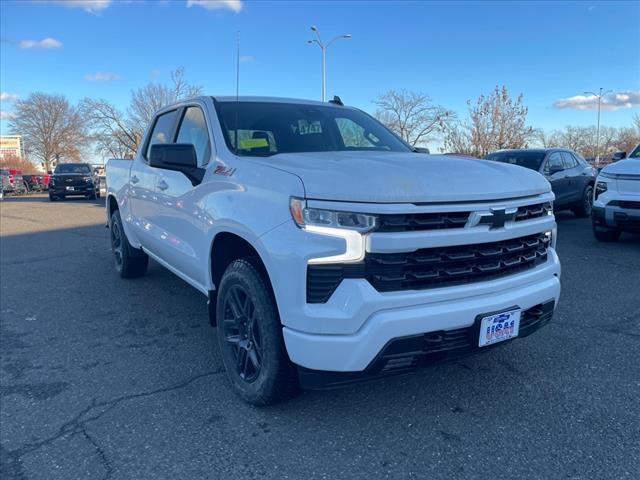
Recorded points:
(226, 247)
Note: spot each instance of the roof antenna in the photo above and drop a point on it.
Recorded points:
(237, 86)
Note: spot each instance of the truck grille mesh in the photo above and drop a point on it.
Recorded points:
(431, 267)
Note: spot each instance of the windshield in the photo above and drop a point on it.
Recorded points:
(73, 168)
(531, 160)
(635, 153)
(270, 128)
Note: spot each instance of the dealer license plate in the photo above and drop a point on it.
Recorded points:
(499, 327)
(70, 189)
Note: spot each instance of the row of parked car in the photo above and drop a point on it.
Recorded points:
(15, 182)
(610, 196)
(68, 179)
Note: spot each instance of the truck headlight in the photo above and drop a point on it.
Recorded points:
(601, 187)
(349, 226)
(305, 216)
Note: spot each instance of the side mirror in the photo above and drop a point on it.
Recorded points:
(421, 150)
(555, 169)
(179, 157)
(619, 156)
(49, 172)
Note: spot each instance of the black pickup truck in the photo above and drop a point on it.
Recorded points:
(72, 179)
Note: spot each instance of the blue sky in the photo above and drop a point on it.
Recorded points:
(452, 51)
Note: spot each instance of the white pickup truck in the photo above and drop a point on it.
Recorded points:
(329, 251)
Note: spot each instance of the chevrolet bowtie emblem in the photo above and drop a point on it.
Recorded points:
(498, 217)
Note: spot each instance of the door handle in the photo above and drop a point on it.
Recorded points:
(134, 179)
(162, 185)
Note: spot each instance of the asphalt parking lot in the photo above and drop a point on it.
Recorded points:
(106, 378)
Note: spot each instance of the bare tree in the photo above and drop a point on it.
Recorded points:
(583, 139)
(50, 127)
(412, 115)
(113, 134)
(495, 122)
(116, 133)
(151, 98)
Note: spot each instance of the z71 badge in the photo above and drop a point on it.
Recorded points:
(222, 170)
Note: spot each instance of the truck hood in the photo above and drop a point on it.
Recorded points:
(379, 177)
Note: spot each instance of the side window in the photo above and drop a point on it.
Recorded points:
(162, 130)
(568, 161)
(554, 162)
(353, 135)
(193, 130)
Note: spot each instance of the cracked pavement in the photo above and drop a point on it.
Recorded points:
(103, 378)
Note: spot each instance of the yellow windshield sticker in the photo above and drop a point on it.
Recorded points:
(254, 143)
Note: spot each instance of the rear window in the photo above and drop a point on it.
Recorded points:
(531, 160)
(73, 168)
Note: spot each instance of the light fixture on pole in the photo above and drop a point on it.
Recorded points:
(324, 47)
(599, 96)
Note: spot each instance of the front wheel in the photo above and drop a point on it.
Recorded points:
(585, 207)
(250, 336)
(130, 262)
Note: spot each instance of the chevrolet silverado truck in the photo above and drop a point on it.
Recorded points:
(329, 251)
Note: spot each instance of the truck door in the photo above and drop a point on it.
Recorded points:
(143, 179)
(180, 217)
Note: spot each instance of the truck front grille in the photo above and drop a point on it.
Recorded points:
(431, 267)
(438, 267)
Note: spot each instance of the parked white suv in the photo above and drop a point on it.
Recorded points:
(330, 252)
(616, 199)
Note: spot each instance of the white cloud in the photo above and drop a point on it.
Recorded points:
(234, 5)
(4, 115)
(44, 43)
(101, 77)
(611, 101)
(8, 97)
(247, 58)
(91, 6)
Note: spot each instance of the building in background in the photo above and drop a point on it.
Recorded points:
(10, 146)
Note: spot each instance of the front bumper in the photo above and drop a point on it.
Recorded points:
(402, 355)
(61, 191)
(613, 216)
(386, 317)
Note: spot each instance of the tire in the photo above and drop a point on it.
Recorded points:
(130, 262)
(98, 194)
(605, 234)
(586, 205)
(52, 198)
(250, 336)
(92, 196)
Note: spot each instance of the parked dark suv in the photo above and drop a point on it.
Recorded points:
(72, 179)
(572, 178)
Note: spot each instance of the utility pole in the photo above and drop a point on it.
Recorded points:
(599, 96)
(324, 47)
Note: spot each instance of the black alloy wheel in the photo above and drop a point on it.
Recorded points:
(242, 333)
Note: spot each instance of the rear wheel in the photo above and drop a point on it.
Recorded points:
(250, 336)
(130, 262)
(586, 205)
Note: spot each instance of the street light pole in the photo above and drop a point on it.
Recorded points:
(324, 47)
(599, 96)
